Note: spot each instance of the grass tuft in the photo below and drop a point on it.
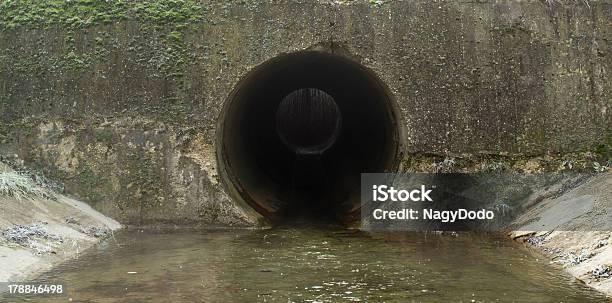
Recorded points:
(21, 187)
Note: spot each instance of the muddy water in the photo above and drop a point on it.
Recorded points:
(312, 265)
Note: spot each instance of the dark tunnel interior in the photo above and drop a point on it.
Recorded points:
(297, 132)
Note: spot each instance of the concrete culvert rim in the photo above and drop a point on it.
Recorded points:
(270, 163)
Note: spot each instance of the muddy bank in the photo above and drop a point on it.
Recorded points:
(571, 226)
(41, 228)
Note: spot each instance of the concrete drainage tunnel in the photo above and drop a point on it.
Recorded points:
(297, 132)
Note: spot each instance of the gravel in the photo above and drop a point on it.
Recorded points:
(602, 271)
(25, 234)
(95, 231)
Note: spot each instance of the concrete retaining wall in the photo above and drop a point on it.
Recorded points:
(122, 104)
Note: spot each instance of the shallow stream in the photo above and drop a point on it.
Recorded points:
(312, 264)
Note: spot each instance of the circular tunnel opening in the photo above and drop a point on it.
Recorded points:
(297, 132)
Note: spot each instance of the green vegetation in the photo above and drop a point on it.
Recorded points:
(585, 161)
(82, 13)
(20, 186)
(164, 20)
(3, 133)
(604, 149)
(168, 11)
(77, 13)
(372, 2)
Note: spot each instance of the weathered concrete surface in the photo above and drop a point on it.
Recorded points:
(573, 228)
(51, 231)
(124, 112)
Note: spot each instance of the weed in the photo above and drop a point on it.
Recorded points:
(20, 186)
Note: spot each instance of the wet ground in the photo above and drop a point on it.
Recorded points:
(311, 265)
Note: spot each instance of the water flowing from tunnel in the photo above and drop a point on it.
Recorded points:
(312, 264)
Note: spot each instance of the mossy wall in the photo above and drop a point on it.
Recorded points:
(120, 99)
